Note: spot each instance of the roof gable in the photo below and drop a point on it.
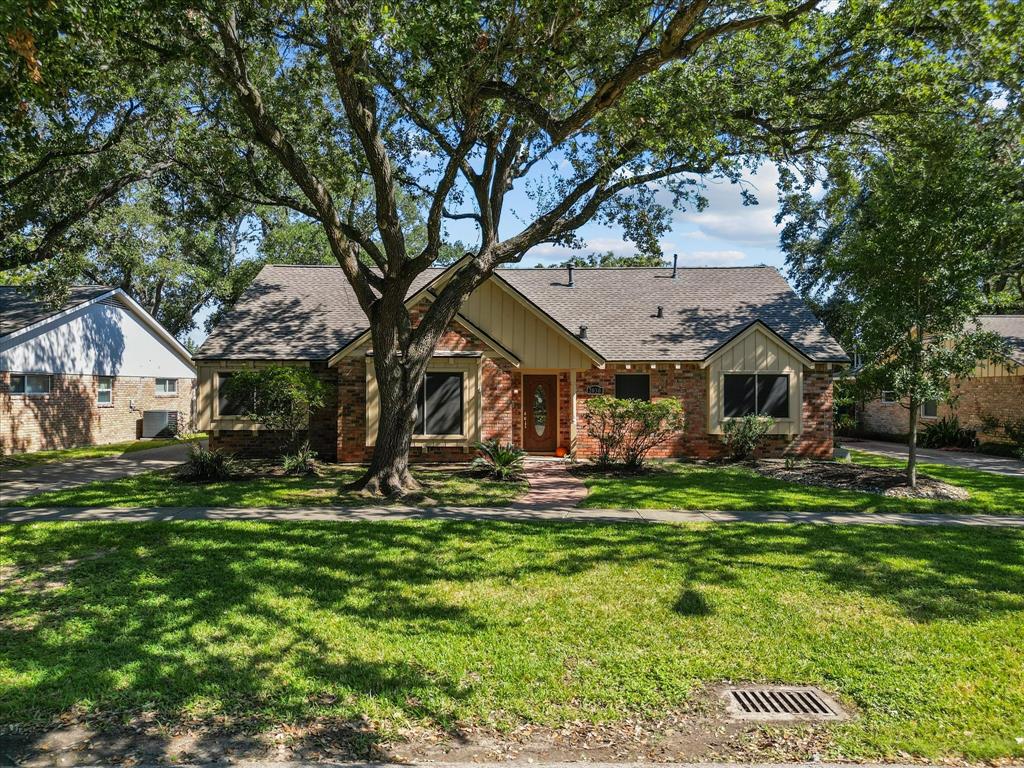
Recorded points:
(1011, 328)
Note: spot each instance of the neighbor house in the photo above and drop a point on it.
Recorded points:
(530, 348)
(995, 390)
(96, 369)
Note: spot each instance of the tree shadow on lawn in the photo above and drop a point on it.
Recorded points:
(215, 617)
(731, 487)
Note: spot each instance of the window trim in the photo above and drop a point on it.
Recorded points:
(109, 391)
(633, 375)
(462, 434)
(888, 397)
(788, 375)
(925, 405)
(216, 398)
(24, 384)
(158, 393)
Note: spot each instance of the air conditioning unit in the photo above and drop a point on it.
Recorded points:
(159, 423)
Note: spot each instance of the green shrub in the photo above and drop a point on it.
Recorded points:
(743, 436)
(302, 462)
(947, 433)
(279, 397)
(627, 430)
(500, 461)
(205, 465)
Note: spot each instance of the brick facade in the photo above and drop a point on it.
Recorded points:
(689, 384)
(70, 416)
(972, 400)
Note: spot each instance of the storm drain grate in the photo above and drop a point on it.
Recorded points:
(790, 703)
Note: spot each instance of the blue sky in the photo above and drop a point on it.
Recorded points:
(725, 234)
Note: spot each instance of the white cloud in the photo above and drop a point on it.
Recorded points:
(723, 258)
(726, 218)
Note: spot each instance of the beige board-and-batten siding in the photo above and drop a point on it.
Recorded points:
(757, 351)
(537, 341)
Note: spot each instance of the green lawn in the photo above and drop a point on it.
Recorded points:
(443, 622)
(84, 452)
(699, 486)
(163, 489)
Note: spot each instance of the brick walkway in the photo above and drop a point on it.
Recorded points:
(552, 486)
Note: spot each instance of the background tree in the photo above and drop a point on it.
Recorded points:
(897, 249)
(345, 113)
(612, 259)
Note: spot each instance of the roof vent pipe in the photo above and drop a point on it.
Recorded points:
(583, 331)
(675, 265)
(661, 311)
(571, 283)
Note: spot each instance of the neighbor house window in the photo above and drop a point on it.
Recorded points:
(888, 396)
(166, 386)
(105, 390)
(30, 384)
(226, 406)
(439, 405)
(633, 386)
(766, 394)
(930, 409)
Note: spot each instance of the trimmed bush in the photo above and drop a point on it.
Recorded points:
(743, 436)
(500, 461)
(627, 430)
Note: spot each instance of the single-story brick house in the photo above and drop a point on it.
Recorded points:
(529, 349)
(98, 369)
(995, 389)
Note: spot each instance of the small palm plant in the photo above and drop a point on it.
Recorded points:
(501, 461)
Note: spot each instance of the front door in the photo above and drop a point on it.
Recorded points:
(540, 409)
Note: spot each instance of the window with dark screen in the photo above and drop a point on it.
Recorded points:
(633, 386)
(439, 404)
(745, 394)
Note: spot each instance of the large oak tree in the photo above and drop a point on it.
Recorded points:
(342, 111)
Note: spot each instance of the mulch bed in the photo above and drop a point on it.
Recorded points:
(858, 477)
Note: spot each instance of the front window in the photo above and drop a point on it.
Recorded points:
(439, 405)
(30, 384)
(105, 390)
(166, 386)
(633, 386)
(765, 394)
(888, 396)
(226, 406)
(930, 409)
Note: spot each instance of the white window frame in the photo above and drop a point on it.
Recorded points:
(109, 391)
(756, 374)
(888, 397)
(166, 392)
(930, 416)
(24, 384)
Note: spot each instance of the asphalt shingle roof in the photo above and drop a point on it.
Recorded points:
(20, 309)
(1011, 328)
(309, 313)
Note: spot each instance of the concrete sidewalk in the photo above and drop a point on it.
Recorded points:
(16, 484)
(506, 514)
(996, 465)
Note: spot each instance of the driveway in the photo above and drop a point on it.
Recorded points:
(997, 465)
(18, 483)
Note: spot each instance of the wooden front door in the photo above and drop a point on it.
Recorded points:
(540, 409)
